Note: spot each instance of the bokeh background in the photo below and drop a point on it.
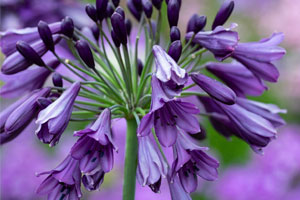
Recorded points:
(242, 176)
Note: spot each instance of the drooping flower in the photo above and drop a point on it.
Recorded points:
(221, 42)
(238, 78)
(191, 160)
(22, 115)
(151, 165)
(53, 120)
(214, 88)
(63, 182)
(258, 56)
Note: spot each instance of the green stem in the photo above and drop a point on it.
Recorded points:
(130, 160)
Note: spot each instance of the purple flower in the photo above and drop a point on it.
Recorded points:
(191, 160)
(214, 88)
(53, 120)
(177, 191)
(94, 149)
(151, 165)
(63, 182)
(221, 42)
(267, 111)
(22, 115)
(27, 80)
(30, 35)
(16, 62)
(257, 56)
(238, 78)
(167, 115)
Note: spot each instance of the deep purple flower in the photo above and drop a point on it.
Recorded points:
(27, 80)
(257, 56)
(63, 182)
(30, 35)
(268, 111)
(167, 115)
(196, 23)
(151, 165)
(85, 53)
(101, 6)
(174, 34)
(191, 160)
(16, 62)
(173, 12)
(95, 146)
(214, 88)
(119, 27)
(238, 78)
(91, 12)
(221, 42)
(177, 191)
(175, 50)
(223, 14)
(22, 115)
(53, 120)
(46, 35)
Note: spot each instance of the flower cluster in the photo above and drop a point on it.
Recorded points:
(105, 77)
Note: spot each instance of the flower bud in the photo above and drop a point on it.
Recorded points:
(115, 39)
(157, 4)
(128, 25)
(223, 14)
(147, 7)
(196, 23)
(91, 12)
(116, 2)
(29, 53)
(120, 11)
(46, 35)
(43, 102)
(134, 11)
(173, 12)
(95, 31)
(85, 53)
(174, 34)
(57, 80)
(109, 10)
(175, 50)
(138, 4)
(67, 27)
(140, 67)
(101, 6)
(118, 24)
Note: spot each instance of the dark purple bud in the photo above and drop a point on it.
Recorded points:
(29, 53)
(67, 27)
(140, 67)
(115, 39)
(46, 35)
(118, 24)
(174, 34)
(179, 2)
(147, 7)
(128, 25)
(215, 89)
(101, 6)
(43, 102)
(134, 11)
(116, 2)
(57, 80)
(173, 12)
(223, 14)
(120, 11)
(138, 4)
(109, 10)
(91, 12)
(175, 50)
(196, 23)
(95, 31)
(157, 3)
(85, 53)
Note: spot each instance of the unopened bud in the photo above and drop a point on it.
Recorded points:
(85, 53)
(223, 14)
(29, 53)
(174, 34)
(91, 12)
(175, 50)
(67, 27)
(46, 35)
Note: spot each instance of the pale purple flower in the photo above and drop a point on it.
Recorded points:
(177, 191)
(63, 182)
(53, 120)
(258, 56)
(151, 165)
(238, 78)
(221, 42)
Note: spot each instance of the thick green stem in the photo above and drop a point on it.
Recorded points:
(130, 160)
